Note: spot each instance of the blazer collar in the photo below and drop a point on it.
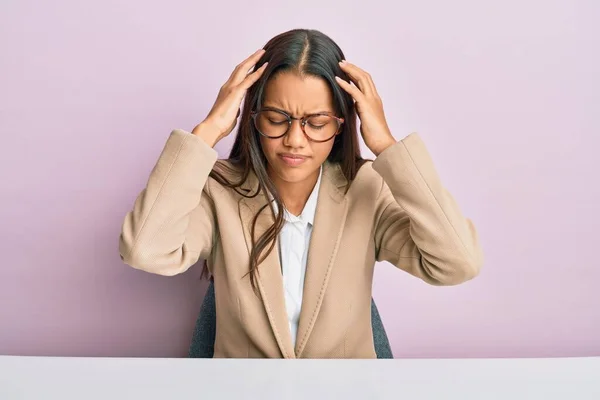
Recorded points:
(330, 216)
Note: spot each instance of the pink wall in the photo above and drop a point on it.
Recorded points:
(506, 97)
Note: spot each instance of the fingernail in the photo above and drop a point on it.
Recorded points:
(343, 62)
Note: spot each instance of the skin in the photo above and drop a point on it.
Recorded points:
(298, 96)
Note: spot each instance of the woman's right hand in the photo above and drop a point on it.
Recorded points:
(223, 115)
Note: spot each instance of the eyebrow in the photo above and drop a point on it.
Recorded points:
(289, 113)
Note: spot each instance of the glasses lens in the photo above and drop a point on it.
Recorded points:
(271, 123)
(321, 127)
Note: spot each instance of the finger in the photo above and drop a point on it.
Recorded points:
(241, 70)
(355, 75)
(361, 78)
(351, 89)
(250, 61)
(362, 75)
(253, 77)
(240, 91)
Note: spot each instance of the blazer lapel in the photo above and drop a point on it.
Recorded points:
(269, 279)
(329, 222)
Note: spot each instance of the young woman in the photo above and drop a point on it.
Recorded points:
(297, 283)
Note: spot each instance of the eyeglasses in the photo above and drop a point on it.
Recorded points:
(273, 124)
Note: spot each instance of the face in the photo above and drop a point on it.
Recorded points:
(297, 96)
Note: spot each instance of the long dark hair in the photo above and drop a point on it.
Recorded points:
(308, 53)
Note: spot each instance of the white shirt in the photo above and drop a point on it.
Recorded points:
(294, 239)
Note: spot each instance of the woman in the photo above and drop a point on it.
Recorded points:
(297, 283)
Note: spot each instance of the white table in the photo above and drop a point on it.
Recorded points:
(153, 378)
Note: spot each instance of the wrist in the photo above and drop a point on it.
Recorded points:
(383, 145)
(205, 132)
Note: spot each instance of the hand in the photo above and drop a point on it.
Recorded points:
(373, 126)
(222, 117)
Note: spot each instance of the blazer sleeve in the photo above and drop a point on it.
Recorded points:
(172, 223)
(419, 227)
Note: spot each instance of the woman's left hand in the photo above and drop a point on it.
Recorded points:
(373, 126)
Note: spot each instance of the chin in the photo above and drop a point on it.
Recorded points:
(293, 175)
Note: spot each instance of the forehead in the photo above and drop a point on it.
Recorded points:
(298, 95)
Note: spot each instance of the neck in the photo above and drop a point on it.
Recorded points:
(294, 194)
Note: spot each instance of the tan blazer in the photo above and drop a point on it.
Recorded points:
(395, 210)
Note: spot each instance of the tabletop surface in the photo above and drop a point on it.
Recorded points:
(165, 378)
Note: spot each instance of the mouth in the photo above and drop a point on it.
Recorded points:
(292, 159)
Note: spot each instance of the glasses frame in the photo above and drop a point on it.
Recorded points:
(303, 120)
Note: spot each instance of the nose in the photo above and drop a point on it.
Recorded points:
(295, 136)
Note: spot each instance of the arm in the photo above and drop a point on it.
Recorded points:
(172, 223)
(420, 228)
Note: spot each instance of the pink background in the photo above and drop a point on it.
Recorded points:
(505, 96)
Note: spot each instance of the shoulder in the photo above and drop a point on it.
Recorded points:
(366, 185)
(229, 178)
(367, 181)
(222, 172)
(228, 169)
